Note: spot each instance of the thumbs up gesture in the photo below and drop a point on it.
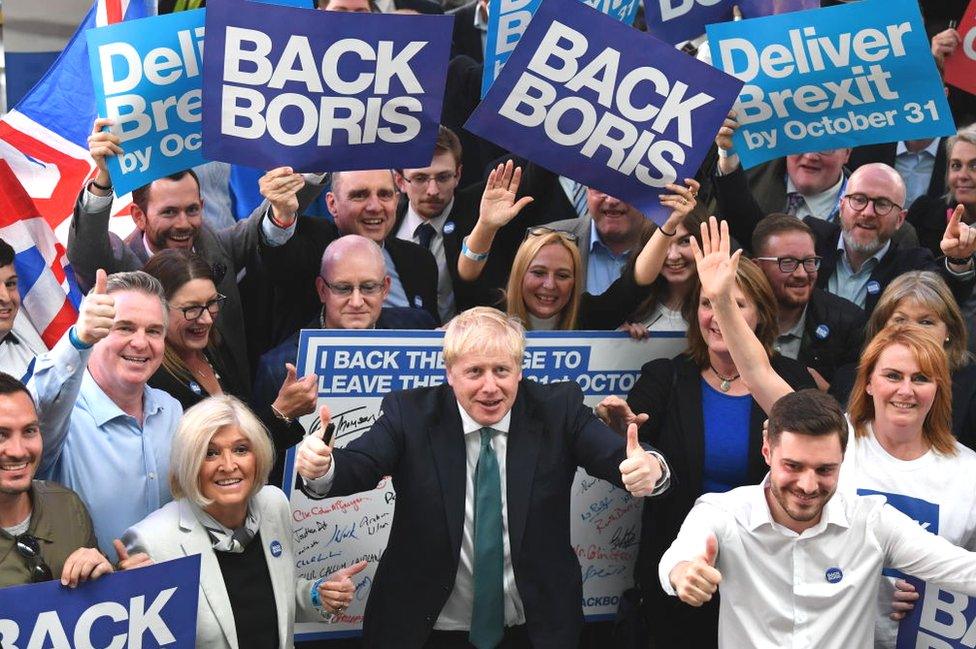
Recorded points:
(336, 594)
(314, 455)
(641, 470)
(97, 313)
(696, 581)
(959, 240)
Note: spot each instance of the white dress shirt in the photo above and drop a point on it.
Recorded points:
(817, 589)
(445, 288)
(821, 205)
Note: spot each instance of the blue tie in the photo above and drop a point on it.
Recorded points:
(488, 612)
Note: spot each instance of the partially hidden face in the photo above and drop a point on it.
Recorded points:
(710, 330)
(9, 298)
(615, 220)
(228, 471)
(813, 173)
(485, 384)
(901, 393)
(548, 283)
(909, 311)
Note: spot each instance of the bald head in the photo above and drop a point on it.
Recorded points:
(353, 284)
(871, 211)
(352, 246)
(878, 175)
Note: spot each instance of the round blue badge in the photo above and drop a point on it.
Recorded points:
(418, 301)
(449, 227)
(821, 332)
(834, 575)
(195, 388)
(873, 287)
(276, 548)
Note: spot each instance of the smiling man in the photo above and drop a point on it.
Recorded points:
(797, 561)
(106, 433)
(484, 467)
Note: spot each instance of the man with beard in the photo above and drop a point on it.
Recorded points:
(817, 328)
(797, 562)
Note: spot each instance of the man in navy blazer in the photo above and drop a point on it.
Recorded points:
(442, 446)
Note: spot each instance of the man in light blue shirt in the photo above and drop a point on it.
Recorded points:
(915, 162)
(106, 433)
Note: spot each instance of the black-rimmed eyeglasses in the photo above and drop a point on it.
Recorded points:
(881, 205)
(194, 312)
(790, 264)
(29, 548)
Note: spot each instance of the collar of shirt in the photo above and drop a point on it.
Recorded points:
(597, 245)
(103, 409)
(834, 513)
(149, 252)
(820, 205)
(796, 331)
(842, 250)
(932, 149)
(480, 23)
(469, 425)
(412, 220)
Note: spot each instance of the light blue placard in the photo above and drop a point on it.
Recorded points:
(148, 77)
(828, 78)
(507, 20)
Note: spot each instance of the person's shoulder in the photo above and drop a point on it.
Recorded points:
(557, 391)
(833, 307)
(165, 517)
(55, 494)
(578, 224)
(271, 497)
(404, 317)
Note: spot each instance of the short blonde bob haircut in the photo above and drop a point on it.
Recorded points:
(515, 298)
(193, 434)
(931, 359)
(484, 330)
(928, 290)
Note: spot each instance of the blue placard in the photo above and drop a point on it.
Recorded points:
(604, 104)
(147, 76)
(508, 19)
(322, 90)
(829, 78)
(149, 607)
(676, 21)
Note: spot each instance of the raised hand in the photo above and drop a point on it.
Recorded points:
(641, 470)
(944, 44)
(716, 269)
(127, 561)
(297, 397)
(84, 564)
(498, 205)
(336, 594)
(314, 455)
(280, 186)
(616, 414)
(681, 201)
(959, 240)
(728, 160)
(97, 314)
(695, 581)
(102, 144)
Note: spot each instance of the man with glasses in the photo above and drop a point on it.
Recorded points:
(352, 284)
(45, 529)
(819, 329)
(438, 218)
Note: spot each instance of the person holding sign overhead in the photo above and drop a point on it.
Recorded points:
(250, 594)
(483, 467)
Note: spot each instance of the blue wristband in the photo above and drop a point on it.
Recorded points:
(470, 254)
(315, 593)
(76, 341)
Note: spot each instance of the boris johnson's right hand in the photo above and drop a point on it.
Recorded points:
(314, 455)
(695, 582)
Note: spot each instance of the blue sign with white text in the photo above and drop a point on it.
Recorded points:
(147, 76)
(508, 19)
(601, 103)
(828, 78)
(675, 21)
(147, 607)
(322, 90)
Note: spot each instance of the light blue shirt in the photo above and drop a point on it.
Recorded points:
(603, 266)
(851, 285)
(397, 296)
(119, 467)
(916, 169)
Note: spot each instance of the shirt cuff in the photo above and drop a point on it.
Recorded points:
(322, 485)
(273, 234)
(964, 275)
(92, 203)
(664, 481)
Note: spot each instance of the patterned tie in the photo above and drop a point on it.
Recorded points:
(425, 232)
(794, 201)
(579, 198)
(488, 611)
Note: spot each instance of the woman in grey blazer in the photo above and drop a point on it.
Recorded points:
(250, 593)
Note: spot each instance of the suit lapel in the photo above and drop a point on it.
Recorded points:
(137, 245)
(450, 461)
(194, 540)
(521, 456)
(689, 406)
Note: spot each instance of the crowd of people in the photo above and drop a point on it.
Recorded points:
(828, 303)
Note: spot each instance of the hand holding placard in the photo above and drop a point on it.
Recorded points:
(281, 186)
(102, 144)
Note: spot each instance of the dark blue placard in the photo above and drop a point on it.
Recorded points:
(267, 101)
(662, 107)
(675, 21)
(159, 603)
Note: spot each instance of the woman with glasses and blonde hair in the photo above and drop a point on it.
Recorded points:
(544, 286)
(900, 409)
(250, 592)
(924, 299)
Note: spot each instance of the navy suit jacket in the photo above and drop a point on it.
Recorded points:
(418, 441)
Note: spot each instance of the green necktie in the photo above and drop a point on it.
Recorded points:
(488, 612)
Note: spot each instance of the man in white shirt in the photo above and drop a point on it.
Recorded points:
(798, 564)
(19, 342)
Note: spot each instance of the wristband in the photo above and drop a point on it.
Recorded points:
(76, 341)
(470, 254)
(666, 233)
(316, 602)
(959, 261)
(104, 188)
(277, 223)
(280, 415)
(726, 153)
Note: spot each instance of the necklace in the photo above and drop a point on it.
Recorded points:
(726, 383)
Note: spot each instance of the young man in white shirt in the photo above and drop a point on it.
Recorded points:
(797, 563)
